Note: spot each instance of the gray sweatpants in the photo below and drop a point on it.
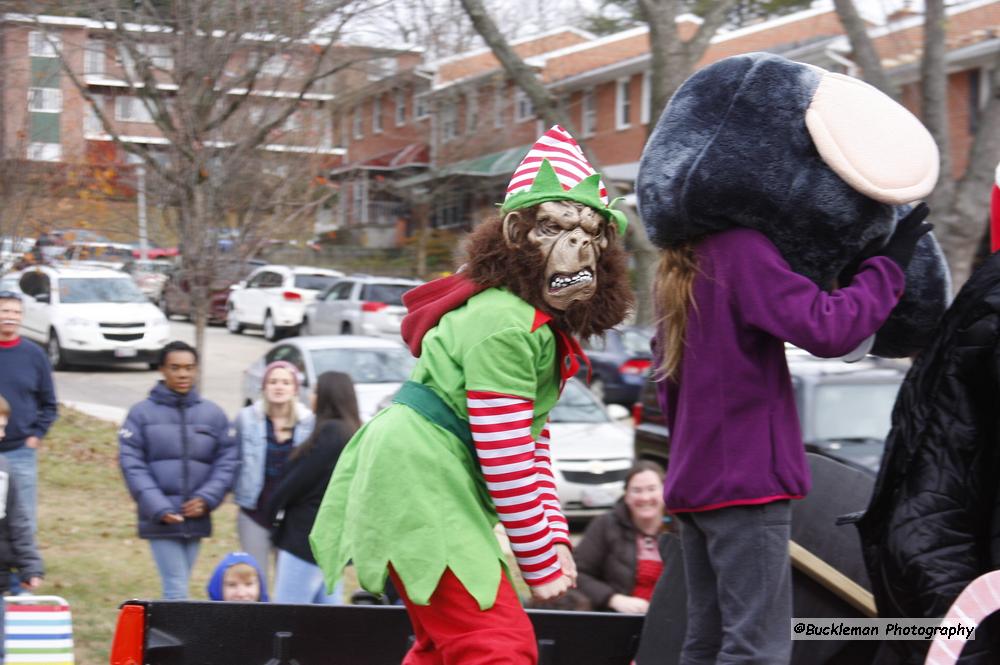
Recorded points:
(256, 541)
(739, 585)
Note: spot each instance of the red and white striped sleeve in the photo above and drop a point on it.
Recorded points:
(501, 432)
(547, 489)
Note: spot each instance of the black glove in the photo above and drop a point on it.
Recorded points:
(908, 232)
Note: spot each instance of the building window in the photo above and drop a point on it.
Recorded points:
(647, 98)
(623, 104)
(345, 130)
(292, 123)
(93, 58)
(420, 110)
(324, 127)
(91, 121)
(499, 92)
(159, 55)
(42, 45)
(358, 123)
(588, 113)
(274, 66)
(449, 121)
(44, 152)
(377, 115)
(400, 107)
(523, 108)
(131, 109)
(471, 111)
(358, 200)
(45, 100)
(380, 68)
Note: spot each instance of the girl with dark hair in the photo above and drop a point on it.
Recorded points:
(295, 501)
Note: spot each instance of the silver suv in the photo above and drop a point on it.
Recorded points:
(359, 305)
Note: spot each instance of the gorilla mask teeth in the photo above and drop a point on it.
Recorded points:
(561, 281)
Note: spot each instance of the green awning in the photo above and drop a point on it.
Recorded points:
(494, 164)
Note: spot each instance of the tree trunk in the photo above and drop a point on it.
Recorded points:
(864, 53)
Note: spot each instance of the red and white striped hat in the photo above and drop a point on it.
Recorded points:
(555, 169)
(566, 157)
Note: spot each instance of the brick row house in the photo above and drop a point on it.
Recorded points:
(448, 134)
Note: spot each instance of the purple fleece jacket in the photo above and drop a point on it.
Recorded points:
(734, 431)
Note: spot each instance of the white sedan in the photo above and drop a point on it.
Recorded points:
(377, 366)
(592, 451)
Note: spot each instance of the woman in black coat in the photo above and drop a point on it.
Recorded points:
(618, 560)
(296, 499)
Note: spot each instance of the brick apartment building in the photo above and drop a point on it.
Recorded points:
(48, 123)
(450, 132)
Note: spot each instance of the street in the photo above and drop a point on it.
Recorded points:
(109, 391)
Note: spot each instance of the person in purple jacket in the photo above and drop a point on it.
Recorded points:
(178, 455)
(779, 220)
(730, 303)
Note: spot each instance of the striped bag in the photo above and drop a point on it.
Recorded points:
(37, 629)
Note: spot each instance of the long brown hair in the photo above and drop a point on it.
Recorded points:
(672, 293)
(335, 400)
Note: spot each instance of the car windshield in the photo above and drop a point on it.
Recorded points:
(577, 405)
(76, 290)
(858, 411)
(314, 282)
(390, 294)
(365, 365)
(636, 341)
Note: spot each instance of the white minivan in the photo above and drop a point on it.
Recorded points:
(88, 315)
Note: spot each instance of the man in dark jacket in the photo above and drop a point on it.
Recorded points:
(26, 383)
(178, 455)
(933, 524)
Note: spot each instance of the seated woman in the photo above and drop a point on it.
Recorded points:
(618, 559)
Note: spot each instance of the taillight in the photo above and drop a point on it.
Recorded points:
(637, 413)
(373, 306)
(126, 649)
(291, 295)
(635, 366)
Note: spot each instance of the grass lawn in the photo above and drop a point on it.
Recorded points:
(87, 534)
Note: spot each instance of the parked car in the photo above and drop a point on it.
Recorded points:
(274, 299)
(844, 409)
(114, 255)
(175, 297)
(377, 366)
(150, 276)
(591, 452)
(88, 315)
(360, 305)
(620, 362)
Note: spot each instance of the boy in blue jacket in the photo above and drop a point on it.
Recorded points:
(178, 457)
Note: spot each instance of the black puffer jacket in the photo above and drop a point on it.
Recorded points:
(606, 557)
(933, 524)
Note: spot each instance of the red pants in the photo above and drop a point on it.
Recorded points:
(452, 630)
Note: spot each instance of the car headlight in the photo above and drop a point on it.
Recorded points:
(78, 322)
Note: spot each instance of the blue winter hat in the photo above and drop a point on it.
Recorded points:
(214, 587)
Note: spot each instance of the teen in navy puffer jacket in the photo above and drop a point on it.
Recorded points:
(178, 456)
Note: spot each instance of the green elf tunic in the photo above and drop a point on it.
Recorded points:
(408, 492)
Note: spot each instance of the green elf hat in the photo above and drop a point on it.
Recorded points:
(555, 169)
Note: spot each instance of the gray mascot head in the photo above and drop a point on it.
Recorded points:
(823, 164)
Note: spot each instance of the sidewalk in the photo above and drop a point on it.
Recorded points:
(112, 414)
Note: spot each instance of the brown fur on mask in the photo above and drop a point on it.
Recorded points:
(491, 262)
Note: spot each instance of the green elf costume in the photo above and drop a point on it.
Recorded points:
(417, 492)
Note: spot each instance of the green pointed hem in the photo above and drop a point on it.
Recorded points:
(407, 492)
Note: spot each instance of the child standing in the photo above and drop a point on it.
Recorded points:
(729, 304)
(238, 577)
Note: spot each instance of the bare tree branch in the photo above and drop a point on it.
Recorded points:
(864, 53)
